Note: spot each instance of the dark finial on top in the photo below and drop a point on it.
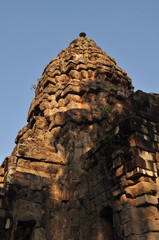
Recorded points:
(82, 34)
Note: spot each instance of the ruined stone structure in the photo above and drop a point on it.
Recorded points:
(86, 165)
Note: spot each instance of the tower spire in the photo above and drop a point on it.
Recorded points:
(82, 34)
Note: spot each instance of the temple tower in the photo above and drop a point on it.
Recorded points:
(85, 167)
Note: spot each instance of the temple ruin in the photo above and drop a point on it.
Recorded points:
(86, 165)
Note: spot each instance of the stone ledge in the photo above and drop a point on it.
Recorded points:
(132, 213)
(141, 163)
(141, 227)
(147, 236)
(146, 199)
(141, 171)
(141, 188)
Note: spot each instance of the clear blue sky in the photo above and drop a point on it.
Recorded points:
(35, 31)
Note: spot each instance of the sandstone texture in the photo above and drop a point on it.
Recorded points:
(86, 165)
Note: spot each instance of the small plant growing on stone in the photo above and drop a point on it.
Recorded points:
(106, 111)
(34, 86)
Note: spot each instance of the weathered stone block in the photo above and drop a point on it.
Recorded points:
(127, 214)
(146, 236)
(140, 172)
(117, 162)
(146, 155)
(157, 184)
(136, 162)
(156, 137)
(35, 182)
(157, 156)
(1, 179)
(147, 212)
(117, 192)
(37, 197)
(149, 236)
(1, 171)
(120, 171)
(130, 229)
(149, 226)
(17, 178)
(141, 227)
(141, 188)
(145, 200)
(144, 143)
(75, 74)
(84, 74)
(8, 223)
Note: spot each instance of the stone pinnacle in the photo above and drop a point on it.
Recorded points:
(82, 34)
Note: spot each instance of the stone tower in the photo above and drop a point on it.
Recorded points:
(85, 167)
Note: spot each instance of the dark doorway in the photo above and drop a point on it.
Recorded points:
(106, 219)
(24, 230)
